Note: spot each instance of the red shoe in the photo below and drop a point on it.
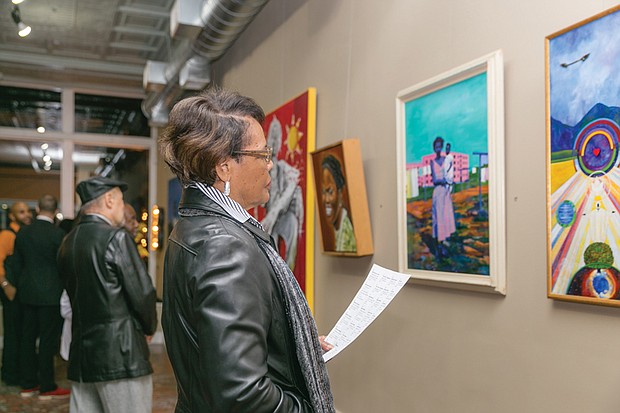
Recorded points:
(29, 392)
(59, 393)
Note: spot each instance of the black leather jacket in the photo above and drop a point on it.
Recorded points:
(226, 331)
(113, 303)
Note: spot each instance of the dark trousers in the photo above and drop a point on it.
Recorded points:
(43, 322)
(12, 332)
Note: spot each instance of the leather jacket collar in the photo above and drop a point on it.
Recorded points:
(192, 198)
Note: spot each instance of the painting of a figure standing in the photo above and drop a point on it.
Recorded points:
(442, 208)
(446, 154)
(583, 98)
(288, 216)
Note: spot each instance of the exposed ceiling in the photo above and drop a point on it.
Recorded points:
(104, 43)
(76, 43)
(84, 41)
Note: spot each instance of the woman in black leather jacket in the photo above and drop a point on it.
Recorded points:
(239, 333)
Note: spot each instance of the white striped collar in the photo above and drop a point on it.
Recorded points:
(232, 207)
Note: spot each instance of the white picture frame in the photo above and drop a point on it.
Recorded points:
(465, 107)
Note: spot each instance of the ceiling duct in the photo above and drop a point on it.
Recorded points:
(212, 27)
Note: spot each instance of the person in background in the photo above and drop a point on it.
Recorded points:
(65, 304)
(131, 222)
(38, 290)
(238, 330)
(105, 279)
(19, 216)
(67, 316)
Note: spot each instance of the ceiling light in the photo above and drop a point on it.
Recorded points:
(41, 129)
(17, 1)
(23, 29)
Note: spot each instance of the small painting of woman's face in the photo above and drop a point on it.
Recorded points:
(330, 197)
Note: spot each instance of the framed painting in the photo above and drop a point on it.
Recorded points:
(341, 199)
(289, 214)
(583, 179)
(451, 207)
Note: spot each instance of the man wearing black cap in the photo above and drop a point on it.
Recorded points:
(113, 303)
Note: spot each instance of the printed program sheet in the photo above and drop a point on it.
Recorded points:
(379, 289)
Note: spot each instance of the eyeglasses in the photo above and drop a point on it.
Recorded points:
(266, 153)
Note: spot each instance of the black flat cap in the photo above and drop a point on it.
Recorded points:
(96, 186)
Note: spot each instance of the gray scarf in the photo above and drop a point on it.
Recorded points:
(309, 351)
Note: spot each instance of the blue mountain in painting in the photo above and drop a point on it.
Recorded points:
(563, 136)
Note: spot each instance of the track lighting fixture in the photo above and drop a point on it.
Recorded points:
(23, 28)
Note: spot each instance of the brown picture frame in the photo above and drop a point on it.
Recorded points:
(342, 203)
(583, 161)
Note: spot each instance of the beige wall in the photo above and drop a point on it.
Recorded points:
(437, 349)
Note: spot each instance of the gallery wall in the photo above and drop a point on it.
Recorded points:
(436, 349)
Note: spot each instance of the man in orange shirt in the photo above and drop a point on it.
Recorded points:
(19, 215)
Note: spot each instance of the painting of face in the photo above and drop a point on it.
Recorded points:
(332, 201)
(342, 203)
(438, 146)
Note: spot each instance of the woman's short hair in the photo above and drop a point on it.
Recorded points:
(205, 129)
(333, 166)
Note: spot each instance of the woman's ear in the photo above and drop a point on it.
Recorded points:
(223, 171)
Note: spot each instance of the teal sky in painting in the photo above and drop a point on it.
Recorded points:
(457, 113)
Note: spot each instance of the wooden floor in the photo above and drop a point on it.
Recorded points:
(164, 389)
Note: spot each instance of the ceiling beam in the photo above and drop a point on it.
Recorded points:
(141, 31)
(145, 11)
(134, 46)
(58, 62)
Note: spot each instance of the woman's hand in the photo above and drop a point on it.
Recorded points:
(324, 344)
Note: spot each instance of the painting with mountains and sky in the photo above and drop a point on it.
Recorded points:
(583, 179)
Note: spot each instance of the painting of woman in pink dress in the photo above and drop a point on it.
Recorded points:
(443, 211)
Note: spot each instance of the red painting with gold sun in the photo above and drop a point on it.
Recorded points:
(289, 214)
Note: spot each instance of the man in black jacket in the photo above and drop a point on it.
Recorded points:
(38, 290)
(113, 303)
(19, 216)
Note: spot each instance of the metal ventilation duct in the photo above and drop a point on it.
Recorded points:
(222, 23)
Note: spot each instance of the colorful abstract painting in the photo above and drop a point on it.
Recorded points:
(583, 179)
(289, 214)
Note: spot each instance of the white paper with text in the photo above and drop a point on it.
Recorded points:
(379, 289)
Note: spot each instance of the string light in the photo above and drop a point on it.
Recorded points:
(155, 228)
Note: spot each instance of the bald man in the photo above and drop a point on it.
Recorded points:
(19, 216)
